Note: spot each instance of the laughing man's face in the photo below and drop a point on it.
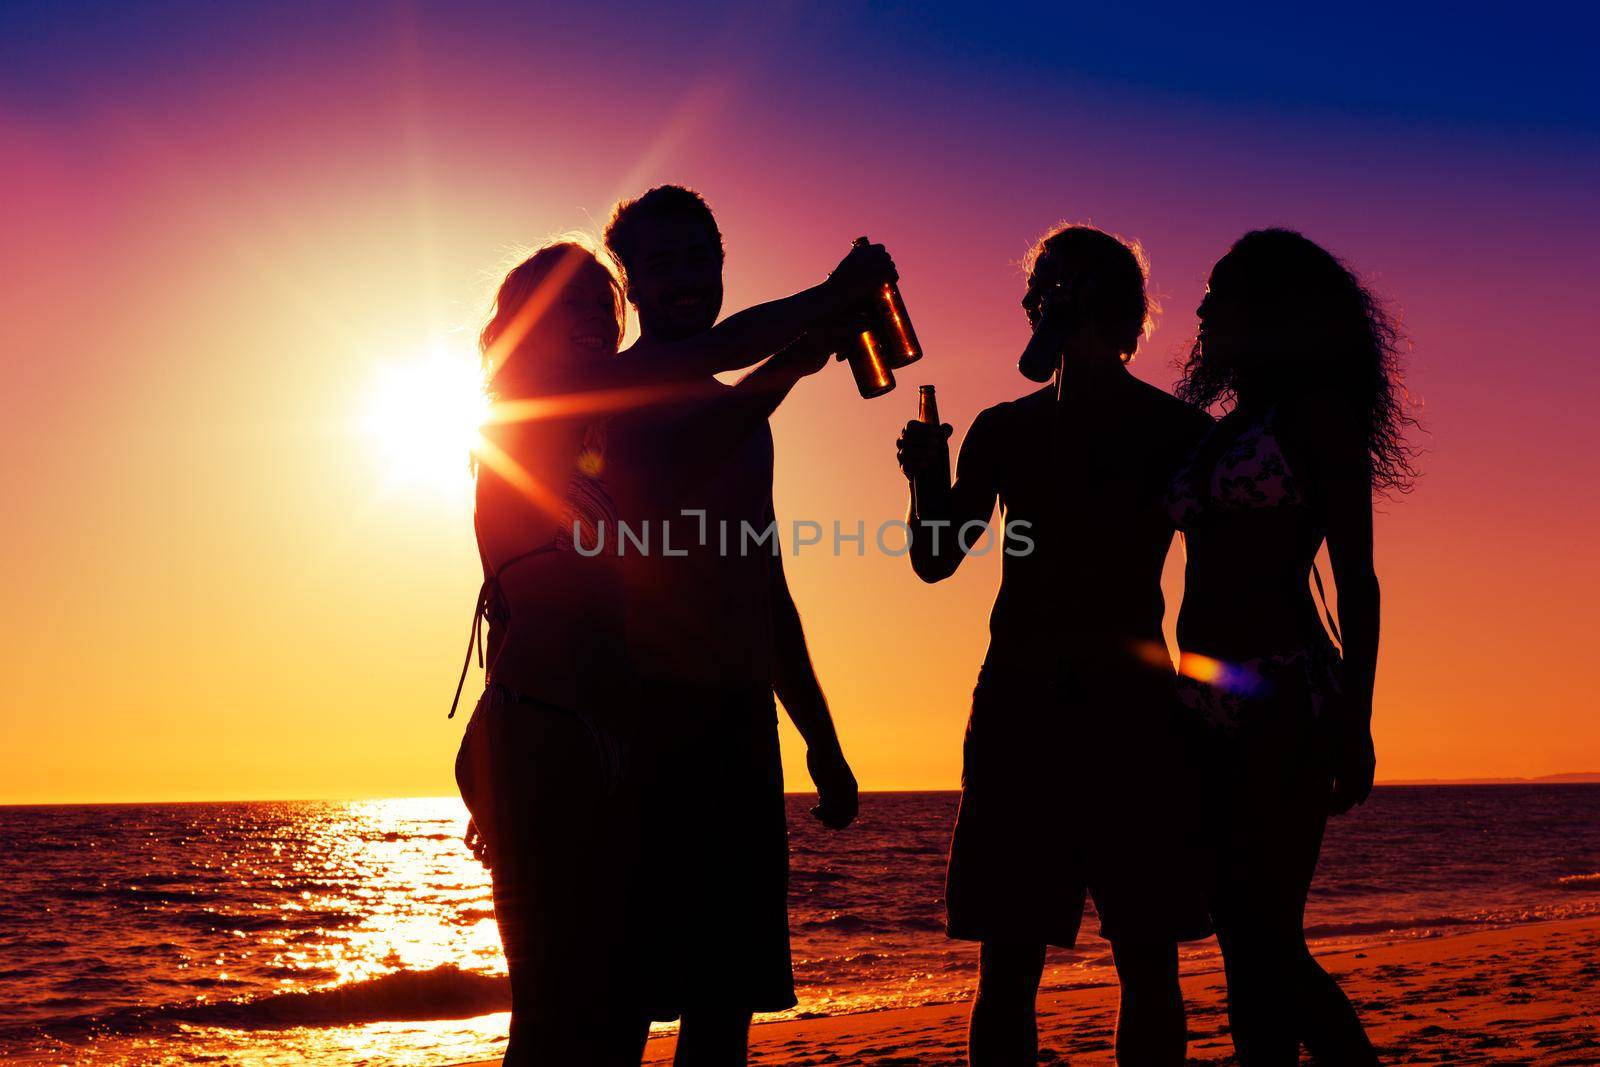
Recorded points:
(676, 280)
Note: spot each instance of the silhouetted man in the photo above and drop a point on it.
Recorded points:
(713, 632)
(1071, 755)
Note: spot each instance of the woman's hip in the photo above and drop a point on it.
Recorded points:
(533, 773)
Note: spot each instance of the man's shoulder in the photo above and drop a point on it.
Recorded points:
(1041, 399)
(1032, 406)
(1180, 414)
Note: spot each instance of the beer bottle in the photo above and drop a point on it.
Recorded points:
(927, 405)
(881, 341)
(867, 363)
(930, 485)
(893, 326)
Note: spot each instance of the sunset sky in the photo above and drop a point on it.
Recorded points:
(225, 232)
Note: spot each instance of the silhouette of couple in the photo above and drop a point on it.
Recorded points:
(622, 766)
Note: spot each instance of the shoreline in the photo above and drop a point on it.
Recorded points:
(1523, 992)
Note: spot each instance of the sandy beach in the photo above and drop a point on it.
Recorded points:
(1528, 994)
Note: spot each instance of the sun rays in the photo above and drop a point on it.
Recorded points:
(422, 417)
(426, 419)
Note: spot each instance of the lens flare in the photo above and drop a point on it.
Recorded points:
(1240, 680)
(423, 418)
(1207, 670)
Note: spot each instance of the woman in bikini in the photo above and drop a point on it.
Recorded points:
(1304, 359)
(542, 762)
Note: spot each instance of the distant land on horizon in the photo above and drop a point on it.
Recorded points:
(1572, 778)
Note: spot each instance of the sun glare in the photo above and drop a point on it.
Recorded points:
(423, 418)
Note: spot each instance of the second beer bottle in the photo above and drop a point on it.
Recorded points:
(930, 487)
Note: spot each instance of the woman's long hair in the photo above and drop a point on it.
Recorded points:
(1347, 343)
(526, 292)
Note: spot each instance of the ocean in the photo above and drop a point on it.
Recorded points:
(363, 933)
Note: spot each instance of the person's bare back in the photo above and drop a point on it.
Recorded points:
(1088, 481)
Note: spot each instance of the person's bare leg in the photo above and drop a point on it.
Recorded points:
(1003, 1031)
(1262, 1011)
(713, 1039)
(1330, 1027)
(1151, 1029)
(633, 1035)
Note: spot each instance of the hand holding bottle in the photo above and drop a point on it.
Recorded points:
(921, 448)
(864, 270)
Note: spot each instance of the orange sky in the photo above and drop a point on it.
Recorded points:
(214, 592)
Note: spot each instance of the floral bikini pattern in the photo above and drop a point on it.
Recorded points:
(1250, 473)
(1253, 474)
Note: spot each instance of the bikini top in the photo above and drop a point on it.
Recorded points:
(1250, 473)
(588, 506)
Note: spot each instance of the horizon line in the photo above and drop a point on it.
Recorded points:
(1566, 778)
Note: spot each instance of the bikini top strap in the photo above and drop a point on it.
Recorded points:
(487, 594)
(1326, 611)
(474, 640)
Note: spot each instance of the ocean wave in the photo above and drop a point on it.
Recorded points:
(1580, 881)
(1349, 889)
(842, 922)
(286, 919)
(144, 895)
(1388, 926)
(445, 992)
(402, 835)
(1517, 917)
(846, 922)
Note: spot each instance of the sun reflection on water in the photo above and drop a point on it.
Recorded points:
(425, 904)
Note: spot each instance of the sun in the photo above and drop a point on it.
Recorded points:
(423, 416)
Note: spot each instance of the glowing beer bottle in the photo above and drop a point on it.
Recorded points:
(867, 363)
(892, 323)
(883, 340)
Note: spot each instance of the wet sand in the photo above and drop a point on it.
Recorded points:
(1527, 994)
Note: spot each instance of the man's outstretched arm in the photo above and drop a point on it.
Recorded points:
(749, 336)
(795, 682)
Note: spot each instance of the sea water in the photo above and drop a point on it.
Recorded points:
(363, 932)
